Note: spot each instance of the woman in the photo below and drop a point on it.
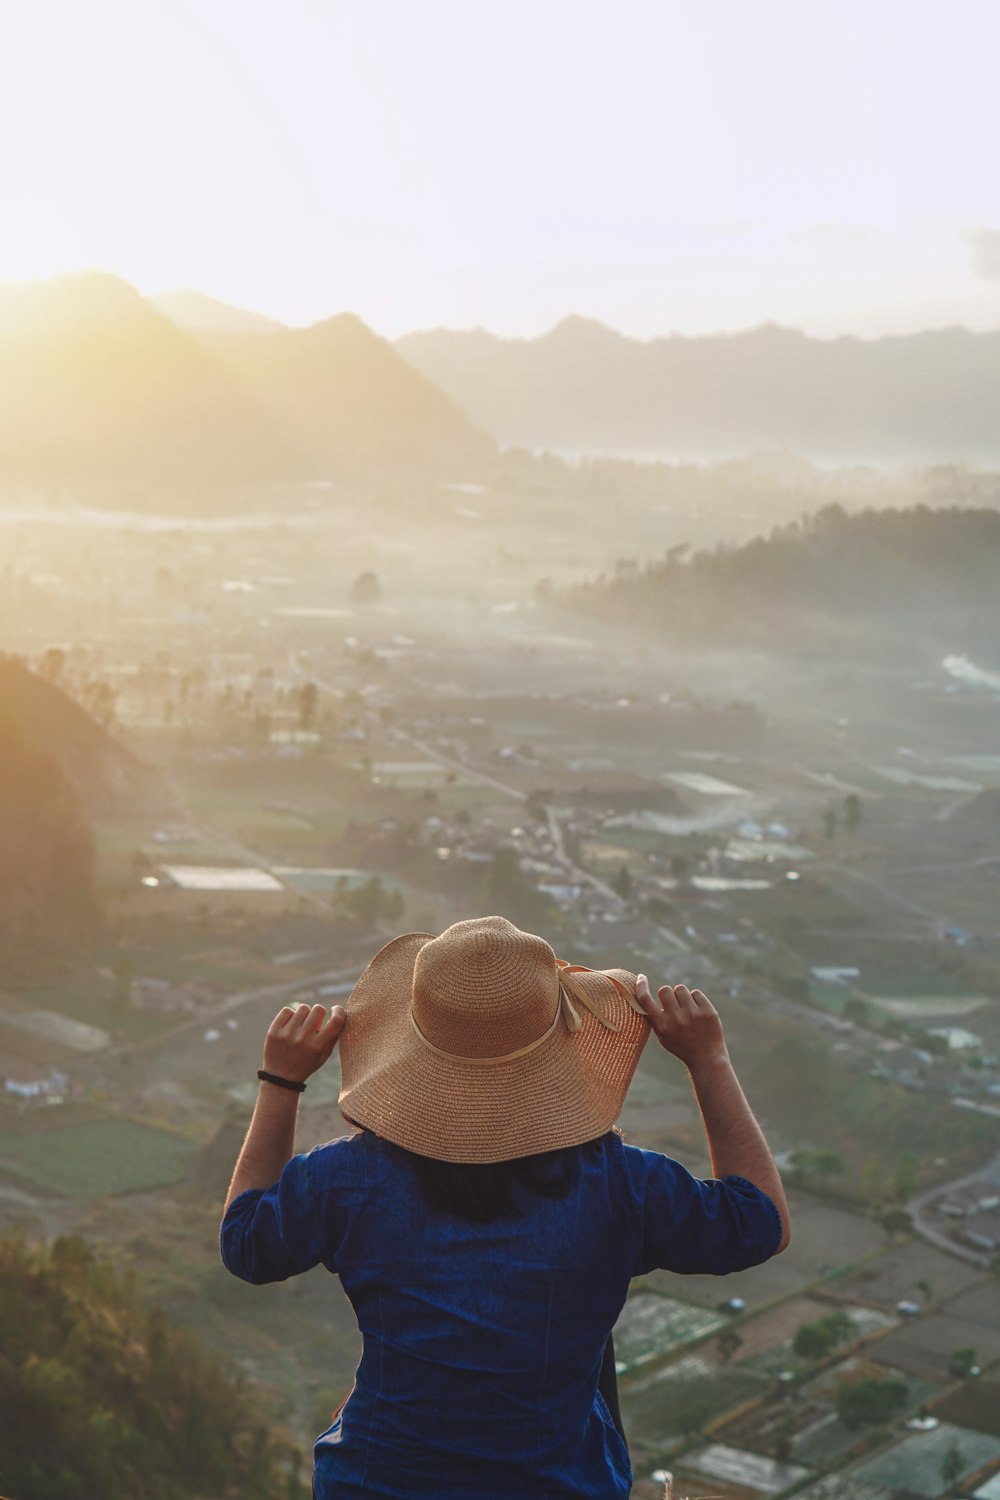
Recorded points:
(485, 1218)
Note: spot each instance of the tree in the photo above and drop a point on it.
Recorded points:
(817, 1340)
(819, 1164)
(366, 589)
(366, 901)
(52, 664)
(857, 1010)
(904, 1178)
(895, 1221)
(925, 1289)
(308, 701)
(537, 804)
(830, 822)
(952, 1463)
(727, 1343)
(510, 894)
(874, 1180)
(99, 698)
(962, 1361)
(622, 882)
(869, 1403)
(852, 811)
(98, 1393)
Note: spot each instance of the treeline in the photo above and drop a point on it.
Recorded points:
(933, 569)
(102, 1396)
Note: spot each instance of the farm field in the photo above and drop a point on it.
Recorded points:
(924, 1346)
(770, 1349)
(93, 1157)
(650, 1326)
(975, 1403)
(832, 1488)
(765, 1476)
(865, 1366)
(915, 1464)
(826, 1238)
(897, 1274)
(682, 1398)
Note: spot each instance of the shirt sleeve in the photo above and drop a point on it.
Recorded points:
(271, 1234)
(685, 1224)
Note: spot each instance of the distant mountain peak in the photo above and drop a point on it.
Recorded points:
(199, 313)
(577, 327)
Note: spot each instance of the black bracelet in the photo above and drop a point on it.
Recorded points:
(284, 1083)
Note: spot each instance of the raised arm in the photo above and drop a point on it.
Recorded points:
(297, 1043)
(687, 1024)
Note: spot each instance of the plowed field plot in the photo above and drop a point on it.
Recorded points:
(826, 1438)
(975, 1404)
(812, 1427)
(915, 1464)
(896, 1276)
(651, 1326)
(825, 1385)
(682, 1397)
(765, 1476)
(767, 1338)
(924, 1346)
(823, 1238)
(977, 1304)
(832, 1488)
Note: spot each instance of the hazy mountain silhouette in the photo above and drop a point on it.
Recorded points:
(102, 392)
(201, 314)
(338, 388)
(98, 388)
(925, 396)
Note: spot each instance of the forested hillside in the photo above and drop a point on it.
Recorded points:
(47, 847)
(106, 778)
(101, 1397)
(921, 574)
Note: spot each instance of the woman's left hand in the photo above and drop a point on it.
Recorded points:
(300, 1041)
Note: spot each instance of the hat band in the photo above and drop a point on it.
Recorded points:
(460, 1057)
(568, 985)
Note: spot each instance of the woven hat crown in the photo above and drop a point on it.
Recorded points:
(484, 988)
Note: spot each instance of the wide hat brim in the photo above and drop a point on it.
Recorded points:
(568, 1090)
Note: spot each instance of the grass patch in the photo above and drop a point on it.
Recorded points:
(91, 1158)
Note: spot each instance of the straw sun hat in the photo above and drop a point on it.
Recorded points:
(480, 1045)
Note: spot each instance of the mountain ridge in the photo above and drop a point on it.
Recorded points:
(100, 391)
(926, 396)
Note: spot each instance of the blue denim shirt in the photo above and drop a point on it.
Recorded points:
(483, 1343)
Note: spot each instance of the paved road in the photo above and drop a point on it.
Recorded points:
(929, 1231)
(234, 1002)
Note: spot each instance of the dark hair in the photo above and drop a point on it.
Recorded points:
(485, 1191)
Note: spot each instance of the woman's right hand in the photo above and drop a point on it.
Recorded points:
(302, 1039)
(685, 1022)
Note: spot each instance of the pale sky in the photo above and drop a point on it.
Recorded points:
(657, 164)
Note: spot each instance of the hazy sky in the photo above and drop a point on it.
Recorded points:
(659, 164)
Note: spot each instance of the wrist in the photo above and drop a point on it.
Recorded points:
(712, 1065)
(288, 1091)
(287, 1071)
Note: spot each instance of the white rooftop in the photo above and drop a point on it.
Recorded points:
(221, 878)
